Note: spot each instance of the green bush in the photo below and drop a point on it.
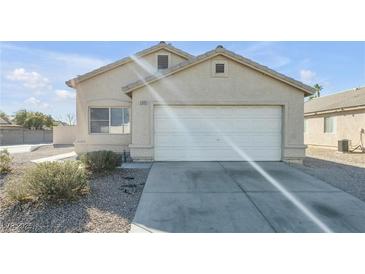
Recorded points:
(5, 162)
(50, 181)
(100, 161)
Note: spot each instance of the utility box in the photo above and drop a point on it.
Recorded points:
(344, 145)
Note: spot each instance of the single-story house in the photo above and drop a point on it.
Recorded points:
(164, 104)
(335, 117)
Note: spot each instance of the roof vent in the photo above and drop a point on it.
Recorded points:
(219, 47)
(162, 42)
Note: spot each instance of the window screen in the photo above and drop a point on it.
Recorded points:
(116, 117)
(99, 120)
(109, 120)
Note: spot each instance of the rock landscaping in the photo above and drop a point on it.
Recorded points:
(109, 206)
(346, 177)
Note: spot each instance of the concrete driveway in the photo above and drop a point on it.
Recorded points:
(234, 197)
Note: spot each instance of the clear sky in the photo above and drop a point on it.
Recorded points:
(33, 74)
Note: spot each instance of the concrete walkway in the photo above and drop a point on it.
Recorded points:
(54, 158)
(234, 197)
(22, 148)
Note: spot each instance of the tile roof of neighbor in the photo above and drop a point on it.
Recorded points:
(338, 101)
(219, 50)
(159, 46)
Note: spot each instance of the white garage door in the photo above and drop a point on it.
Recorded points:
(216, 133)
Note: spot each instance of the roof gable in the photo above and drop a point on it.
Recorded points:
(103, 69)
(211, 54)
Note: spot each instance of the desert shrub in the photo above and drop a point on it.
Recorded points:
(16, 190)
(5, 162)
(50, 181)
(100, 161)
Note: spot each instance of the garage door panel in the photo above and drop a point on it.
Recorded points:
(205, 124)
(217, 111)
(211, 155)
(212, 133)
(182, 140)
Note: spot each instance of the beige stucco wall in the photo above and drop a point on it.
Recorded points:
(104, 90)
(347, 126)
(196, 86)
(64, 135)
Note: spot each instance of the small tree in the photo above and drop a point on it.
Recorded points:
(48, 121)
(20, 117)
(33, 120)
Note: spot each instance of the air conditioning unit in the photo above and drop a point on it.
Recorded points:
(344, 145)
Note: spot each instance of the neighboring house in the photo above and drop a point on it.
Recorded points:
(4, 121)
(335, 117)
(164, 104)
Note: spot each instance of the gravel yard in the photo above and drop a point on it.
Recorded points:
(348, 178)
(20, 161)
(110, 206)
(354, 158)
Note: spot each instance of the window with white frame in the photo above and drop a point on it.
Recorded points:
(109, 120)
(329, 124)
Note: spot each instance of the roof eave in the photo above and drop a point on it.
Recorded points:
(305, 88)
(72, 82)
(328, 111)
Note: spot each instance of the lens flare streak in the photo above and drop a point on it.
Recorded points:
(281, 188)
(148, 68)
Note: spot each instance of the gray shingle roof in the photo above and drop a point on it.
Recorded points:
(342, 100)
(161, 45)
(220, 50)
